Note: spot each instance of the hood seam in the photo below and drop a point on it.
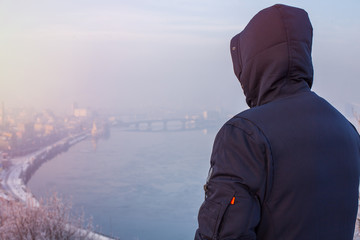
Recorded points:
(284, 82)
(287, 40)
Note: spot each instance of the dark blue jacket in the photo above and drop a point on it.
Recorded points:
(288, 167)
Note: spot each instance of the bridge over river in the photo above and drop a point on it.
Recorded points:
(171, 124)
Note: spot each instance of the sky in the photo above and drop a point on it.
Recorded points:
(173, 55)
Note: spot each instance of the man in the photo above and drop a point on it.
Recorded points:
(288, 167)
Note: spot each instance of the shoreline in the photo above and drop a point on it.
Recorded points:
(14, 179)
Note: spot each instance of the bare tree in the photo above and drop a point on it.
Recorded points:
(52, 220)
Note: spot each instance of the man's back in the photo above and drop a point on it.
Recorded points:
(315, 169)
(287, 168)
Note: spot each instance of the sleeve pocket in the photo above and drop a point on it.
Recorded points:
(210, 215)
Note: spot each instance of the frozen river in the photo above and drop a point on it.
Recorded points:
(135, 185)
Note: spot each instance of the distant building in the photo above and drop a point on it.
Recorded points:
(4, 160)
(211, 115)
(1, 159)
(3, 116)
(80, 112)
(38, 127)
(49, 129)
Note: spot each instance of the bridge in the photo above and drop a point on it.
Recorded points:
(171, 124)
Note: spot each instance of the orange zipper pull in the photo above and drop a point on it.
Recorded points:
(232, 201)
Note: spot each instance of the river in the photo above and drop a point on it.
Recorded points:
(135, 185)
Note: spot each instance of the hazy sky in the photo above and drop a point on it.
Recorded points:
(164, 54)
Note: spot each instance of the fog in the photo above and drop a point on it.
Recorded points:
(138, 55)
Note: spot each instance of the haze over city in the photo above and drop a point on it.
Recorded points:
(136, 55)
(161, 72)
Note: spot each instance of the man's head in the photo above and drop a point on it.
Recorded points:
(272, 55)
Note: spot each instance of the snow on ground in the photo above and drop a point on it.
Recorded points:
(13, 184)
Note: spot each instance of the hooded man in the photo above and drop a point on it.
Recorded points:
(288, 167)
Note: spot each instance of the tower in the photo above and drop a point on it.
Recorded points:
(3, 116)
(73, 107)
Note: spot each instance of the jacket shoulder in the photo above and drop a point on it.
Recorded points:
(241, 124)
(246, 120)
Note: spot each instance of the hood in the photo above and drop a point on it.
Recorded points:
(272, 55)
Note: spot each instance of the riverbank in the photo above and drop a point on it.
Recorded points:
(15, 177)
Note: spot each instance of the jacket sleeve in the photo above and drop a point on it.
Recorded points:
(235, 186)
